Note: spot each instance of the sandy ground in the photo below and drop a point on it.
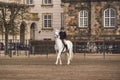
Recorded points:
(42, 67)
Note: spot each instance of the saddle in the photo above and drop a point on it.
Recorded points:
(65, 47)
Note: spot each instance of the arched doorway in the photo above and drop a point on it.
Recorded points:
(22, 32)
(32, 31)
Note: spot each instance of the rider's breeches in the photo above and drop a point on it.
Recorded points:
(63, 41)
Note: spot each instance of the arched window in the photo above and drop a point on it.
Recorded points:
(22, 32)
(32, 31)
(83, 18)
(109, 17)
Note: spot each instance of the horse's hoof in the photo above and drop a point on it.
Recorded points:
(68, 63)
(61, 64)
(56, 63)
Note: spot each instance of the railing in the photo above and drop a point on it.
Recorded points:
(42, 47)
(97, 47)
(15, 46)
(47, 47)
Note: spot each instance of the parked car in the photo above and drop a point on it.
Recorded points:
(1, 46)
(11, 46)
(18, 46)
(116, 49)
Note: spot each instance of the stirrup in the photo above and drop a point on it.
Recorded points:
(63, 50)
(66, 47)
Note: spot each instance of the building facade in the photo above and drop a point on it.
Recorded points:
(84, 20)
(94, 20)
(44, 18)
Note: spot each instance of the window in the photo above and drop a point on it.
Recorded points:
(29, 2)
(47, 22)
(32, 31)
(22, 32)
(47, 2)
(109, 17)
(83, 18)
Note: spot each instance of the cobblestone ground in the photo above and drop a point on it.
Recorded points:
(39, 67)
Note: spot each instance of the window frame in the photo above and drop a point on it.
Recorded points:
(51, 21)
(47, 3)
(110, 18)
(28, 2)
(83, 25)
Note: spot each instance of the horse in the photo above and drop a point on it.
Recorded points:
(59, 48)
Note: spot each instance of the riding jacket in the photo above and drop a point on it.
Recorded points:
(62, 35)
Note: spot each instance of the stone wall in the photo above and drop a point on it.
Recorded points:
(95, 24)
(97, 9)
(71, 11)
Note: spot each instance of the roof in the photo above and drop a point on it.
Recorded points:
(87, 0)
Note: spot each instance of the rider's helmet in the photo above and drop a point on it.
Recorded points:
(62, 28)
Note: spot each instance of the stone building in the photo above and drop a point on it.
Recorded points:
(85, 21)
(94, 20)
(45, 17)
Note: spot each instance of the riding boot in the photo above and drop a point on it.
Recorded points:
(66, 48)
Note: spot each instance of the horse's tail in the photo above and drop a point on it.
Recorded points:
(71, 51)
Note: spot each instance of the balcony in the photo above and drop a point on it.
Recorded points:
(34, 16)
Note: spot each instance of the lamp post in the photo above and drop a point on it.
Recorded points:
(104, 48)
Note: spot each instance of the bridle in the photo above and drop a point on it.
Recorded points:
(57, 34)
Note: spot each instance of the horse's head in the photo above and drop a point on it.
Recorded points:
(57, 33)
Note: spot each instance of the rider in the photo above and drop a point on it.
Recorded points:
(63, 37)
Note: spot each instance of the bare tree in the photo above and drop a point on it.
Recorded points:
(1, 27)
(11, 14)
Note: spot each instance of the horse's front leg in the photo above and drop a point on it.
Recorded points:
(58, 58)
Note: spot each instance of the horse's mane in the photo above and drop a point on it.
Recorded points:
(57, 32)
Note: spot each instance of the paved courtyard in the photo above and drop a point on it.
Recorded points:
(42, 67)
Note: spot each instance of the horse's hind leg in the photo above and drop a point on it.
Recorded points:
(68, 58)
(60, 61)
(57, 60)
(57, 57)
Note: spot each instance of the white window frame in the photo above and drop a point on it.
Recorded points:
(82, 18)
(110, 17)
(29, 2)
(48, 26)
(46, 2)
